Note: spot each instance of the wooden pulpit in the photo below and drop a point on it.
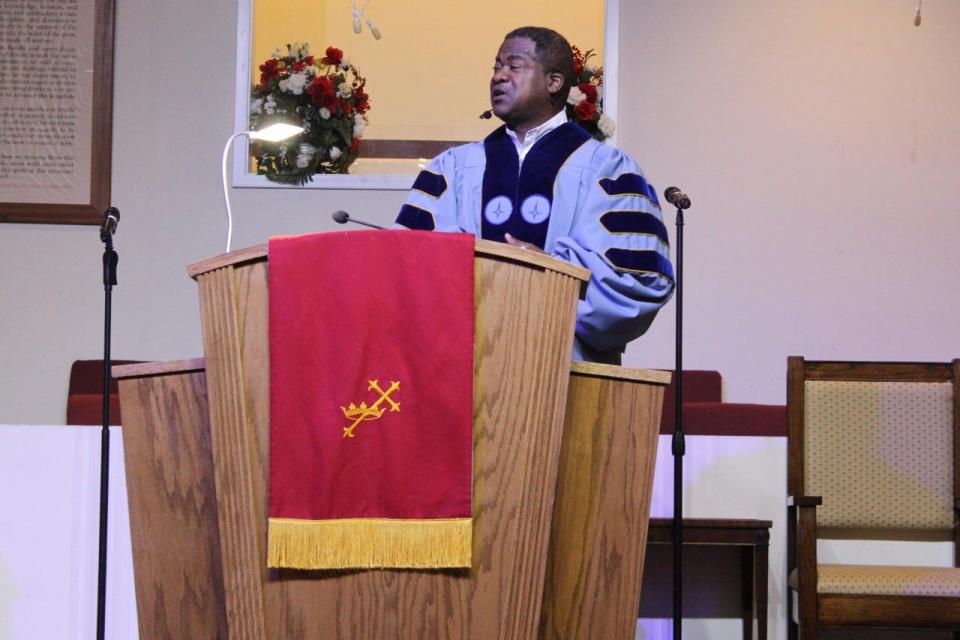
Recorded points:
(196, 443)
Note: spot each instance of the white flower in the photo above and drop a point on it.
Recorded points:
(305, 154)
(295, 83)
(270, 107)
(344, 90)
(345, 65)
(335, 153)
(606, 125)
(324, 113)
(277, 53)
(359, 124)
(576, 96)
(298, 49)
(256, 106)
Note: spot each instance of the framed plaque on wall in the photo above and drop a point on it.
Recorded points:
(56, 110)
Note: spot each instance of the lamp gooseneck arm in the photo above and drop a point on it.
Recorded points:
(226, 187)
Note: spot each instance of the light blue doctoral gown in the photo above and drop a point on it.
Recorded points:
(603, 215)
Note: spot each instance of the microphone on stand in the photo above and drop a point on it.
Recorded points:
(111, 218)
(677, 198)
(680, 200)
(342, 217)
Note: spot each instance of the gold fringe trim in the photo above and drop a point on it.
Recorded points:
(369, 543)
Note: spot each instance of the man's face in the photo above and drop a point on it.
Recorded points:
(520, 86)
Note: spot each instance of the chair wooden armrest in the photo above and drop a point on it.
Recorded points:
(805, 510)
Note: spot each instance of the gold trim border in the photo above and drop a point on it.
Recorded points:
(369, 543)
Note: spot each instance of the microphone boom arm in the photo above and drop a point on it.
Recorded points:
(342, 217)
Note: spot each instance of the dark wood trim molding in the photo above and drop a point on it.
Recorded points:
(955, 365)
(878, 371)
(795, 404)
(405, 149)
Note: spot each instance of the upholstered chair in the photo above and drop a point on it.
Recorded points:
(872, 454)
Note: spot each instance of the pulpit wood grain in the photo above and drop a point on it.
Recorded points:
(602, 506)
(173, 506)
(242, 559)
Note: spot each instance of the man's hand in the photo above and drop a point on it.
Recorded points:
(520, 244)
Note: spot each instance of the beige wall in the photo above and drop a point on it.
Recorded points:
(426, 75)
(819, 141)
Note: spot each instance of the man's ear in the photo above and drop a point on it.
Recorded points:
(554, 81)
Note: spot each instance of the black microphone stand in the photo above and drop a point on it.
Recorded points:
(678, 445)
(109, 280)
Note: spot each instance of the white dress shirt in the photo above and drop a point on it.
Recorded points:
(536, 133)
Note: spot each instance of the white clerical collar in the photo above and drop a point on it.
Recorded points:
(536, 133)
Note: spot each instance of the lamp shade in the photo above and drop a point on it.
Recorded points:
(276, 132)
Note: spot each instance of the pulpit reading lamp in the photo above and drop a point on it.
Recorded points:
(274, 133)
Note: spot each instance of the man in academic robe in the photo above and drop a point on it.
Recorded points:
(542, 183)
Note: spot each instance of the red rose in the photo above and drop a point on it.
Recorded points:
(588, 90)
(361, 100)
(308, 60)
(320, 87)
(330, 101)
(268, 71)
(333, 56)
(585, 110)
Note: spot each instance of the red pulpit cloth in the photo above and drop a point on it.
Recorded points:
(371, 396)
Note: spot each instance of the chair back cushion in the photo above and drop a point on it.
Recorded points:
(85, 392)
(880, 454)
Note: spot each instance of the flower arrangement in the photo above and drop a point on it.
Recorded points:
(326, 96)
(585, 102)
